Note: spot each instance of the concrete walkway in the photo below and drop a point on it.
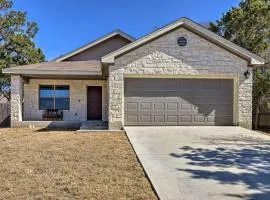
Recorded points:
(204, 163)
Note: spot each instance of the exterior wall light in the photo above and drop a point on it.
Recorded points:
(247, 74)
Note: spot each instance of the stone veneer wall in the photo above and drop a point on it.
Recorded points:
(163, 56)
(16, 100)
(78, 98)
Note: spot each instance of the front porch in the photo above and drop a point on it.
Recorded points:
(81, 101)
(79, 97)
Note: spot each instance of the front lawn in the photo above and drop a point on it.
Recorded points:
(64, 165)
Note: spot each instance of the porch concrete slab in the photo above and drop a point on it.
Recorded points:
(193, 163)
(48, 124)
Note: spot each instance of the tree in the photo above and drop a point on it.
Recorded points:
(16, 42)
(247, 25)
(261, 89)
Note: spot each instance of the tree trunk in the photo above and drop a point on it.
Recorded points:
(257, 116)
(259, 103)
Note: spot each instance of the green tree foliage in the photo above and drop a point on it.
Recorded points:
(247, 25)
(261, 90)
(16, 42)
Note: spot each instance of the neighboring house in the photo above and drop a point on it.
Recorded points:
(4, 112)
(3, 99)
(181, 74)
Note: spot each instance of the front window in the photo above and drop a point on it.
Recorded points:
(53, 97)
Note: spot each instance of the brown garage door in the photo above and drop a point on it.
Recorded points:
(178, 101)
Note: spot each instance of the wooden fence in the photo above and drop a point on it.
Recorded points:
(4, 115)
(264, 120)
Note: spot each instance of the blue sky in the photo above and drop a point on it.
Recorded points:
(67, 24)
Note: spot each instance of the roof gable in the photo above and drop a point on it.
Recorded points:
(94, 43)
(194, 27)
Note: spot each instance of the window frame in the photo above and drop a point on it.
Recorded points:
(54, 95)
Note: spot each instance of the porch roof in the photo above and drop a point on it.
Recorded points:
(77, 68)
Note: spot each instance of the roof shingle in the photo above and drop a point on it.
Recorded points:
(58, 68)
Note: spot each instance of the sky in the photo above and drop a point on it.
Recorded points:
(65, 25)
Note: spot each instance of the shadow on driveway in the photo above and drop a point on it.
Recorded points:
(249, 156)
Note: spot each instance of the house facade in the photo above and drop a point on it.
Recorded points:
(181, 74)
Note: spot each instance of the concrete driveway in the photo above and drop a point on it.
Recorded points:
(204, 162)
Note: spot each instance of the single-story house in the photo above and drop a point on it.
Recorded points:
(4, 112)
(181, 74)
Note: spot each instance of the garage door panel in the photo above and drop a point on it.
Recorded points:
(205, 108)
(192, 84)
(224, 82)
(225, 99)
(211, 84)
(145, 118)
(210, 119)
(186, 118)
(222, 120)
(172, 106)
(131, 106)
(145, 106)
(132, 118)
(212, 101)
(198, 100)
(159, 106)
(226, 112)
(159, 118)
(212, 92)
(178, 102)
(186, 107)
(172, 118)
(199, 119)
(190, 94)
(210, 108)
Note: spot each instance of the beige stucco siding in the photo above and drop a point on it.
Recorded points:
(78, 98)
(163, 57)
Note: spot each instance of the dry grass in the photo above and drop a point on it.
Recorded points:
(64, 165)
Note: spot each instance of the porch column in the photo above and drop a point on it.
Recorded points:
(16, 100)
(116, 98)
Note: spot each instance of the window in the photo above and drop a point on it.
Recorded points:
(53, 97)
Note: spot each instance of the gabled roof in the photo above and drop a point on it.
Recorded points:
(78, 68)
(196, 28)
(93, 43)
